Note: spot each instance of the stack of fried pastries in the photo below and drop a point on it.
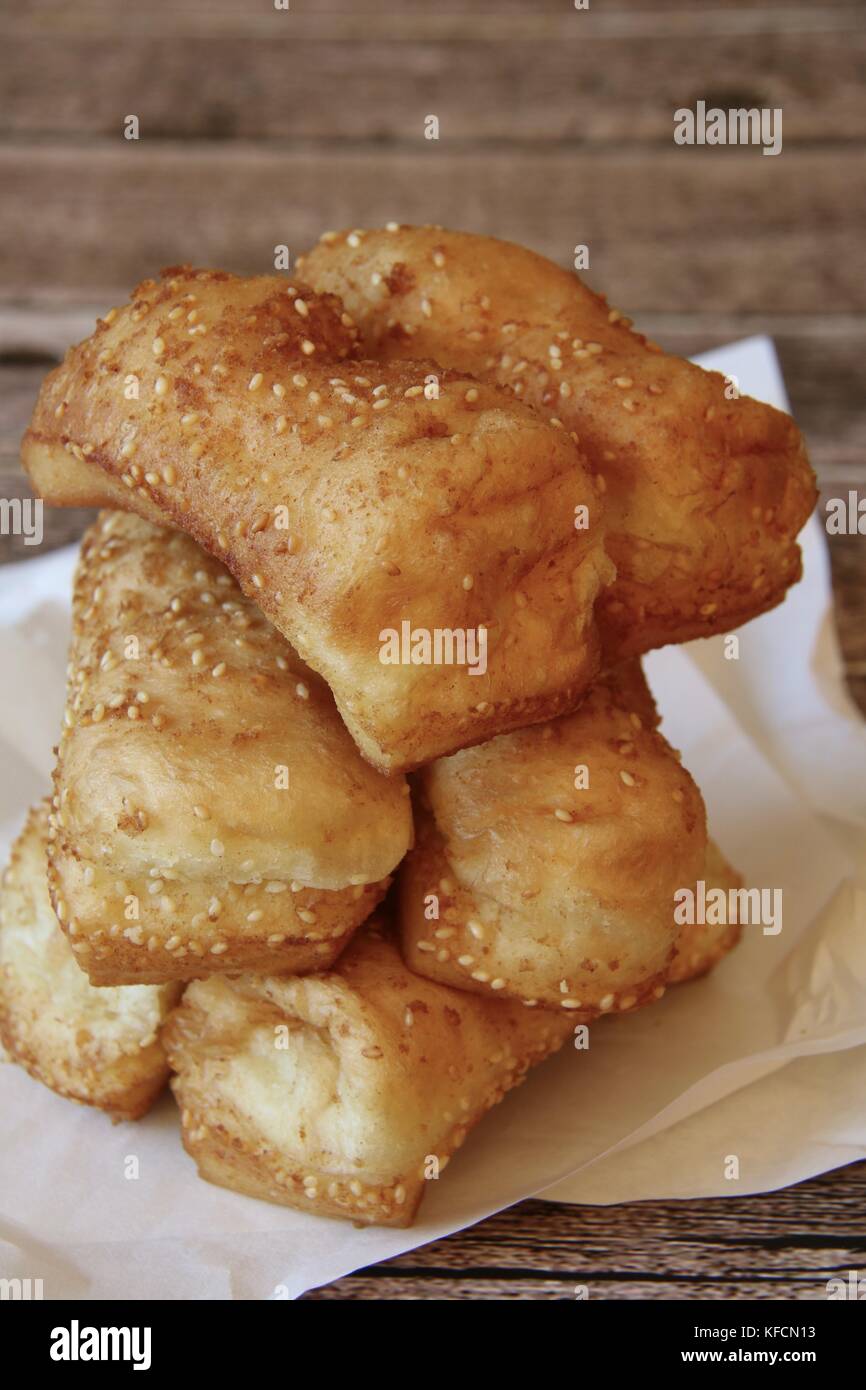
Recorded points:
(426, 439)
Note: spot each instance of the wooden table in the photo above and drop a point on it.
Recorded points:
(261, 128)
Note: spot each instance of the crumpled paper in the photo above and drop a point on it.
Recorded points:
(763, 1061)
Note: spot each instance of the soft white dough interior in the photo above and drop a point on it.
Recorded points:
(293, 1093)
(35, 949)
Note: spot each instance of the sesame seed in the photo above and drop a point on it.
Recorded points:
(169, 477)
(468, 581)
(217, 848)
(563, 815)
(280, 426)
(255, 382)
(307, 348)
(201, 812)
(157, 347)
(160, 386)
(471, 394)
(307, 916)
(219, 669)
(257, 580)
(623, 382)
(301, 307)
(606, 1003)
(302, 691)
(98, 712)
(677, 796)
(627, 779)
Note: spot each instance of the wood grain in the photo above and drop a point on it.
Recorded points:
(666, 230)
(389, 21)
(777, 1245)
(485, 89)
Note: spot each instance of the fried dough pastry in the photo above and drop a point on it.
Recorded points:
(97, 1046)
(705, 494)
(343, 500)
(338, 1093)
(211, 811)
(547, 860)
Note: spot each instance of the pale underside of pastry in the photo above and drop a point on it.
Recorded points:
(344, 1093)
(705, 489)
(348, 497)
(97, 1046)
(211, 811)
(547, 861)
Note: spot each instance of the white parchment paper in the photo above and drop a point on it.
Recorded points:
(765, 1059)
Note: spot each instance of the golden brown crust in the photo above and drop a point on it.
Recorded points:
(212, 813)
(99, 1047)
(705, 495)
(526, 885)
(335, 1092)
(342, 498)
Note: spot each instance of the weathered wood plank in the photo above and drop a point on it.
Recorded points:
(673, 230)
(413, 19)
(783, 1244)
(582, 88)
